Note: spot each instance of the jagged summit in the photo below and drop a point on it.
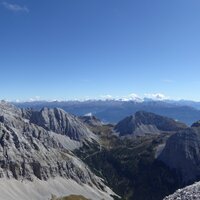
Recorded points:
(37, 145)
(147, 123)
(7, 108)
(57, 120)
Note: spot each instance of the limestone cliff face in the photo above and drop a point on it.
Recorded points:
(57, 120)
(39, 147)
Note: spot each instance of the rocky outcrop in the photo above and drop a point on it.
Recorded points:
(191, 192)
(182, 153)
(143, 123)
(58, 121)
(38, 148)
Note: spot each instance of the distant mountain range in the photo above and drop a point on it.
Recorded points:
(145, 156)
(112, 111)
(36, 155)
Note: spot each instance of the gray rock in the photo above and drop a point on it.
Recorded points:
(57, 120)
(143, 123)
(191, 192)
(182, 153)
(31, 148)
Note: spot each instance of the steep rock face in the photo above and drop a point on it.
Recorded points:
(57, 120)
(182, 153)
(147, 123)
(191, 192)
(10, 115)
(28, 151)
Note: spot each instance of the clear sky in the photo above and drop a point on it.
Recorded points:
(66, 49)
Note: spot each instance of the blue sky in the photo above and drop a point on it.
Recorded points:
(67, 49)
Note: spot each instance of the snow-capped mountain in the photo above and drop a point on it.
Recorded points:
(112, 111)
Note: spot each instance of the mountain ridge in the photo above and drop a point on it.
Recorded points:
(142, 123)
(112, 111)
(29, 152)
(52, 146)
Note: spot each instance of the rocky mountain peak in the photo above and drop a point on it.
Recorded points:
(38, 148)
(7, 108)
(147, 123)
(57, 120)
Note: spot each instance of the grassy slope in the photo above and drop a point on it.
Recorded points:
(129, 167)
